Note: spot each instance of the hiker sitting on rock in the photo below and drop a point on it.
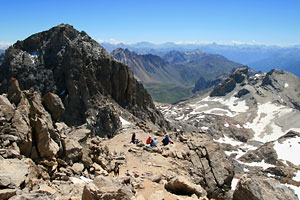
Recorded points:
(133, 139)
(153, 143)
(148, 141)
(166, 141)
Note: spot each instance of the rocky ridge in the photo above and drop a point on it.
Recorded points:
(70, 64)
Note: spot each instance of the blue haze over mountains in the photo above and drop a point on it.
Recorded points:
(259, 57)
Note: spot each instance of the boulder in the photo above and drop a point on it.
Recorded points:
(107, 121)
(7, 193)
(13, 172)
(14, 92)
(47, 140)
(46, 146)
(73, 150)
(181, 186)
(6, 109)
(77, 168)
(106, 188)
(20, 124)
(258, 188)
(54, 105)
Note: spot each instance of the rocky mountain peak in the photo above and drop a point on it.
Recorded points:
(72, 65)
(237, 77)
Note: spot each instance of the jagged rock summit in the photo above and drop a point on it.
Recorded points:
(91, 84)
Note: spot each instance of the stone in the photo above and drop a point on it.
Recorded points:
(47, 147)
(7, 193)
(46, 189)
(253, 188)
(77, 168)
(73, 150)
(210, 167)
(14, 170)
(47, 140)
(181, 186)
(14, 92)
(106, 188)
(6, 109)
(54, 105)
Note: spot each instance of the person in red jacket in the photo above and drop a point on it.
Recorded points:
(148, 141)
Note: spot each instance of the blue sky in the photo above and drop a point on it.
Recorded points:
(221, 21)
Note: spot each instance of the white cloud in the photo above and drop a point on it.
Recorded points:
(253, 42)
(112, 41)
(5, 44)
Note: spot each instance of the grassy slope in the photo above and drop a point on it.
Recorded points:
(167, 93)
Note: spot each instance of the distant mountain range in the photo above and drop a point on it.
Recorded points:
(175, 71)
(259, 57)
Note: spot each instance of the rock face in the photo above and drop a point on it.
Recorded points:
(13, 172)
(285, 84)
(210, 167)
(202, 84)
(257, 188)
(54, 104)
(69, 63)
(238, 76)
(27, 125)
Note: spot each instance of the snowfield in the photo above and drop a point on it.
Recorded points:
(289, 151)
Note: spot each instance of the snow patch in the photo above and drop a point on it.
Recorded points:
(295, 188)
(266, 113)
(233, 104)
(289, 151)
(234, 183)
(228, 140)
(124, 122)
(297, 177)
(204, 128)
(258, 164)
(80, 181)
(286, 85)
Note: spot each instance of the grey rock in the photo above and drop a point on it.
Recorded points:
(257, 188)
(13, 170)
(73, 150)
(54, 105)
(106, 188)
(7, 193)
(6, 109)
(181, 186)
(210, 167)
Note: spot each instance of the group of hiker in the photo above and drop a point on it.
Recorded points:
(151, 142)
